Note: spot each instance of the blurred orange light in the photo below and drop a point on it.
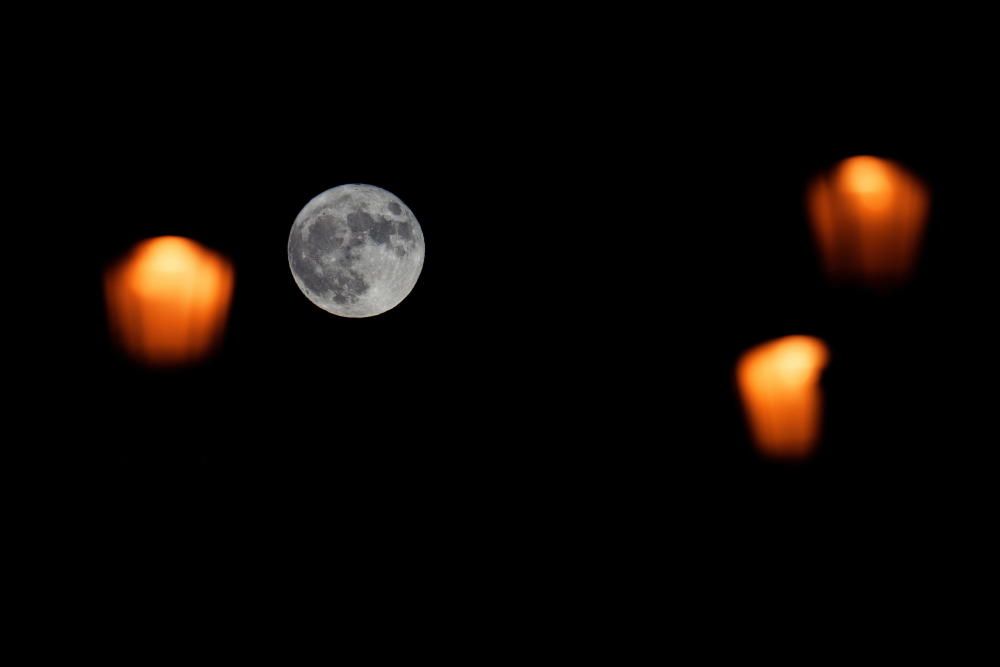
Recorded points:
(168, 300)
(779, 384)
(868, 217)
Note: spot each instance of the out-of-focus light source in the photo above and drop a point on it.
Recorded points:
(779, 384)
(168, 300)
(868, 217)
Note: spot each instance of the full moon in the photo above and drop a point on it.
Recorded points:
(356, 250)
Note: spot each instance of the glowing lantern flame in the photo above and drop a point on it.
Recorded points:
(779, 384)
(168, 300)
(868, 217)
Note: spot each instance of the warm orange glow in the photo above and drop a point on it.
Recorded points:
(779, 384)
(168, 300)
(868, 217)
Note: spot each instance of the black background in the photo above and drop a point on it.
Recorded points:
(607, 229)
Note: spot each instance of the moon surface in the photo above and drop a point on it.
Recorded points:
(356, 250)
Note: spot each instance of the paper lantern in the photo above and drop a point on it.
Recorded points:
(778, 383)
(168, 301)
(868, 217)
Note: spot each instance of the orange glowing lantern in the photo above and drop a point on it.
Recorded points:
(779, 384)
(168, 300)
(868, 217)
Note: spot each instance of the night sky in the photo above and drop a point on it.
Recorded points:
(605, 235)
